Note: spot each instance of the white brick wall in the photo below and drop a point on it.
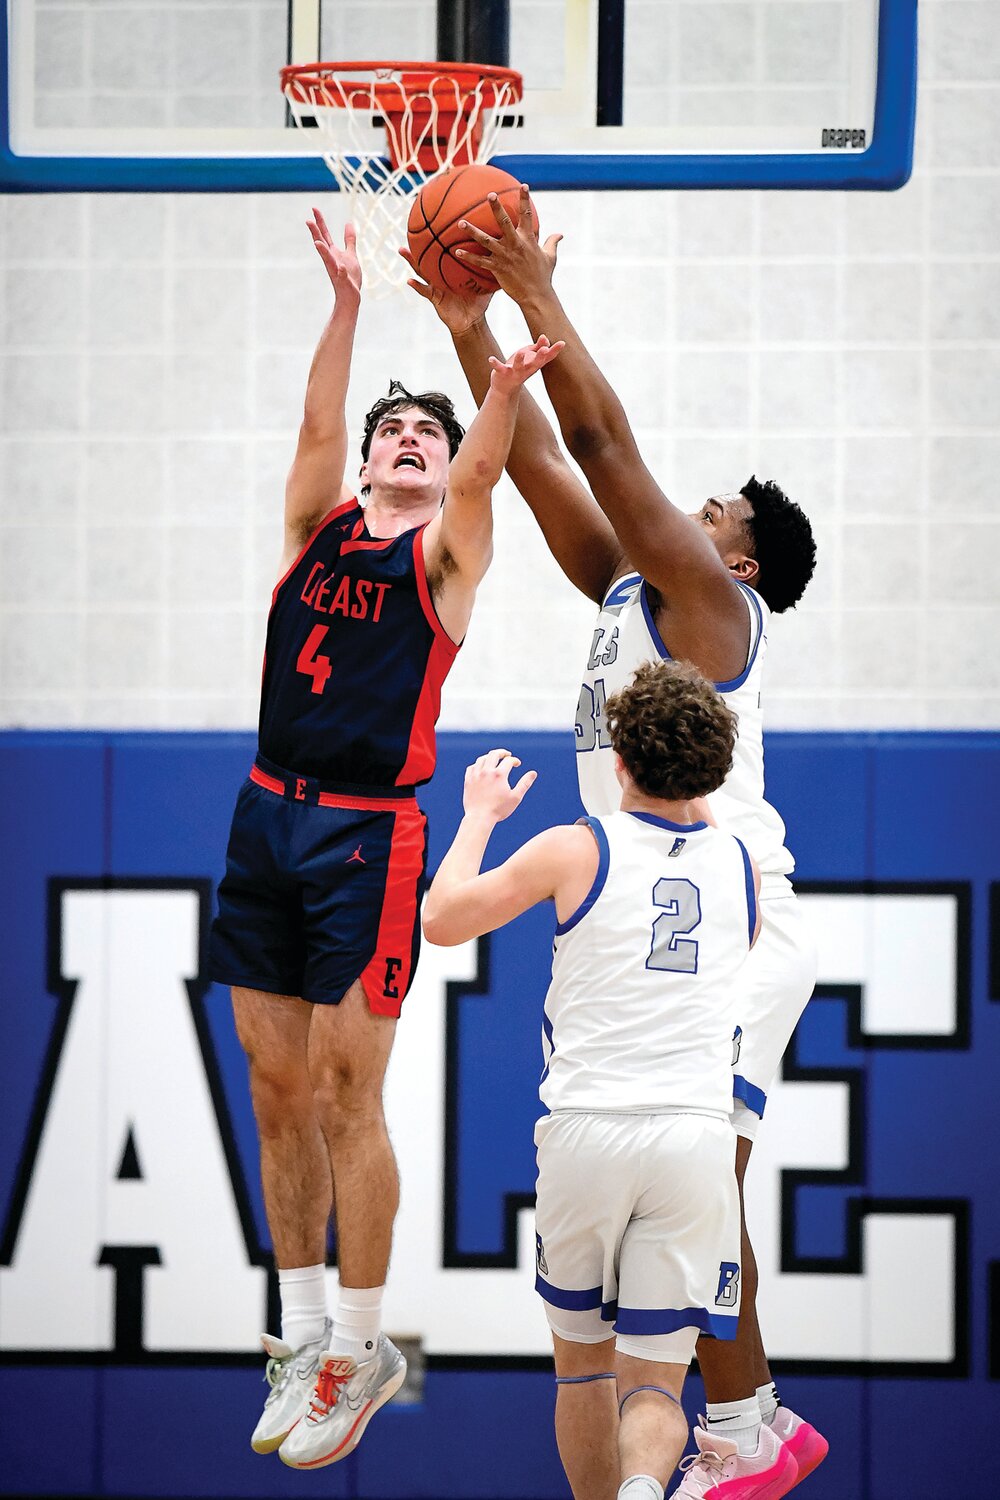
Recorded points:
(155, 351)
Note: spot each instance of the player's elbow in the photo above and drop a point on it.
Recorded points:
(588, 440)
(439, 928)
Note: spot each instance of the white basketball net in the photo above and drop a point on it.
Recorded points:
(435, 122)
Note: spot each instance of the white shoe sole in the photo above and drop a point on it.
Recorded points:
(270, 1445)
(356, 1433)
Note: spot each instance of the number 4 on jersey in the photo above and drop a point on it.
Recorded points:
(311, 665)
(591, 718)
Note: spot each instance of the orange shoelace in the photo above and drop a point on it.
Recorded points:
(327, 1391)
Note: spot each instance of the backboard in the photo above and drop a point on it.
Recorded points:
(113, 95)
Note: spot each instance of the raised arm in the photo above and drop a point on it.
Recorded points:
(316, 479)
(558, 864)
(578, 534)
(458, 543)
(667, 547)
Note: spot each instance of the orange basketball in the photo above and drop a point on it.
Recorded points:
(433, 233)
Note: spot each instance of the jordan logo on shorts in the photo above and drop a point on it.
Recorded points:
(356, 856)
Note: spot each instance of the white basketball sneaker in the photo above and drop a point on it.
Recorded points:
(345, 1398)
(291, 1374)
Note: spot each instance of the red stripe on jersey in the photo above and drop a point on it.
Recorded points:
(270, 782)
(336, 799)
(420, 752)
(375, 545)
(387, 976)
(367, 804)
(338, 510)
(424, 593)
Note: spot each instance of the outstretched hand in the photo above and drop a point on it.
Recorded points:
(510, 374)
(457, 313)
(520, 263)
(487, 788)
(342, 266)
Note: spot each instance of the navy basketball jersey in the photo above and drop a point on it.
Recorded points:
(355, 659)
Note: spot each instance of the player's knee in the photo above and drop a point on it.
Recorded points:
(346, 1099)
(281, 1092)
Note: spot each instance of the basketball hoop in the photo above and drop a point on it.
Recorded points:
(434, 115)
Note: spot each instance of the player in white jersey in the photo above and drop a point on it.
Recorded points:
(697, 587)
(637, 1214)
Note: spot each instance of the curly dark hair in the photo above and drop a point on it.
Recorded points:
(782, 542)
(435, 403)
(673, 731)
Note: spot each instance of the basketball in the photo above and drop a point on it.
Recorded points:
(433, 231)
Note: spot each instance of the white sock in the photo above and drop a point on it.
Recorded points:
(641, 1487)
(303, 1304)
(358, 1321)
(768, 1400)
(739, 1421)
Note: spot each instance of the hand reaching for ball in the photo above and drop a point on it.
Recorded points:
(509, 375)
(342, 266)
(437, 225)
(516, 260)
(458, 313)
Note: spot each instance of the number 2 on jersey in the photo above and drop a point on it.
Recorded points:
(670, 949)
(312, 665)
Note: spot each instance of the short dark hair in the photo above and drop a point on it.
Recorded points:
(782, 542)
(435, 403)
(673, 731)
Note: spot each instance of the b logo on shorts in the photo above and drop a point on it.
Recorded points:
(729, 1284)
(540, 1260)
(392, 968)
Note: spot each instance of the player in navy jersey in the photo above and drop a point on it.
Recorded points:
(317, 931)
(699, 587)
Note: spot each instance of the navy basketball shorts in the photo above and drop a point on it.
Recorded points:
(321, 888)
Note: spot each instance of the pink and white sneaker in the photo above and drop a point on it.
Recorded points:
(718, 1471)
(807, 1446)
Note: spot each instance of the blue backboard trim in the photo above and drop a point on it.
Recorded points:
(886, 164)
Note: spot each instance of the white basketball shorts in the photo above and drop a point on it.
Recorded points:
(775, 985)
(638, 1225)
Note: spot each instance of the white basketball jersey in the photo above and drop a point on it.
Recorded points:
(625, 637)
(640, 1013)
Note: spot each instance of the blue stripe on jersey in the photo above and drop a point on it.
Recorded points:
(602, 874)
(751, 893)
(720, 687)
(569, 1301)
(656, 822)
(670, 1319)
(749, 1094)
(547, 1029)
(651, 623)
(620, 590)
(730, 687)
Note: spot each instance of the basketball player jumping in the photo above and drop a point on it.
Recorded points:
(637, 1213)
(699, 587)
(317, 930)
